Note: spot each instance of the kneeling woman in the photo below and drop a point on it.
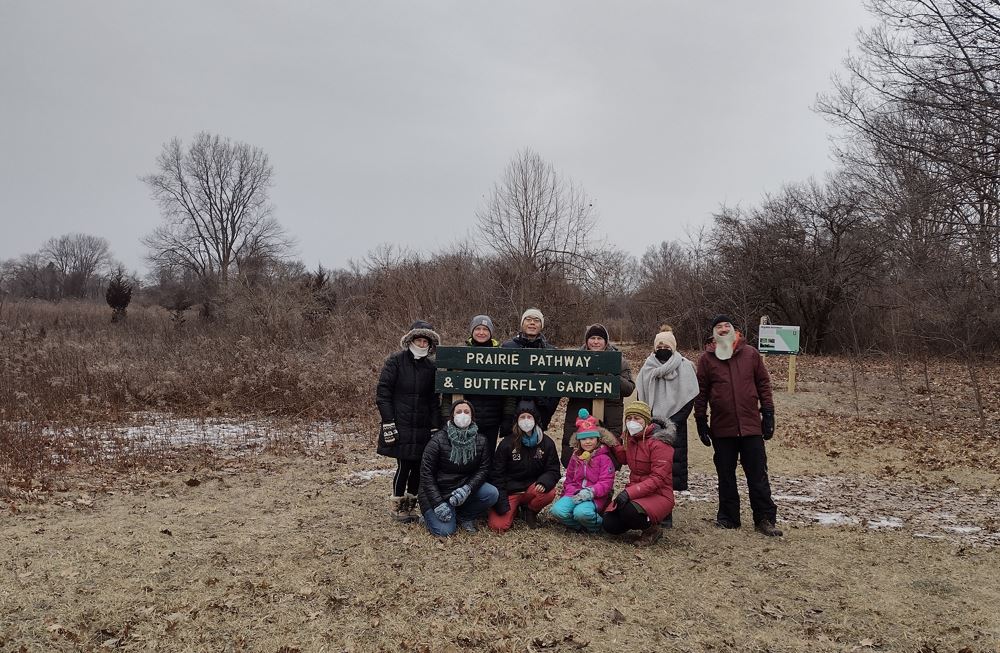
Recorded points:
(648, 498)
(453, 472)
(525, 471)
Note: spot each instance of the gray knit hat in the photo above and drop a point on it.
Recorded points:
(481, 320)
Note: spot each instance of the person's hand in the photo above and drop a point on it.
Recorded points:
(502, 506)
(459, 495)
(622, 499)
(767, 423)
(539, 488)
(443, 512)
(585, 494)
(389, 432)
(704, 433)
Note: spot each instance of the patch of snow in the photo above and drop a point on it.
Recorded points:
(885, 522)
(834, 519)
(367, 475)
(794, 498)
(963, 530)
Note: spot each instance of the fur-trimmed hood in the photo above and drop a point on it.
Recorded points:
(608, 441)
(430, 334)
(661, 430)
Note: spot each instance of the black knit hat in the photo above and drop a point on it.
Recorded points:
(527, 406)
(721, 318)
(455, 404)
(597, 330)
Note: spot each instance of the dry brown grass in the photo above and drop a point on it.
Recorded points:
(292, 550)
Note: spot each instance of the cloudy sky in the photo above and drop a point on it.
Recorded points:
(390, 121)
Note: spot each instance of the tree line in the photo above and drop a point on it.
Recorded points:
(897, 249)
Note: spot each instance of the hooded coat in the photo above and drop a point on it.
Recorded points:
(405, 395)
(649, 457)
(735, 389)
(597, 472)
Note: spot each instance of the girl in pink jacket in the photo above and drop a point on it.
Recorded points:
(590, 477)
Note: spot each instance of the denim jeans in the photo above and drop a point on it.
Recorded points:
(474, 507)
(577, 515)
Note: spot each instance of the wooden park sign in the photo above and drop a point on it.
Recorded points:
(530, 373)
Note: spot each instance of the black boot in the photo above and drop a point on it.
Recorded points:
(766, 527)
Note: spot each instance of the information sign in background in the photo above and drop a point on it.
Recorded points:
(778, 339)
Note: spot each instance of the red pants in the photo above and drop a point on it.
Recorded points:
(530, 498)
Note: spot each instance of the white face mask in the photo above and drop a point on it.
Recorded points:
(419, 352)
(634, 427)
(527, 424)
(461, 420)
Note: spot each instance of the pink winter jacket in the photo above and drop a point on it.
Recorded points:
(598, 473)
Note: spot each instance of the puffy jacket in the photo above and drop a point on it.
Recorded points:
(515, 468)
(680, 421)
(546, 405)
(439, 476)
(613, 409)
(405, 395)
(649, 457)
(735, 389)
(489, 408)
(597, 473)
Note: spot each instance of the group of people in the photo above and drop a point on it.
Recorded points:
(489, 456)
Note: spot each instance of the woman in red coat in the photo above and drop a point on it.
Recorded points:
(648, 498)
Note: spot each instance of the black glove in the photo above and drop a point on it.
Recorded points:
(704, 432)
(622, 498)
(767, 423)
(389, 433)
(502, 506)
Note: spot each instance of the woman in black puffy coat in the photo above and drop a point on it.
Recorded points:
(409, 409)
(453, 473)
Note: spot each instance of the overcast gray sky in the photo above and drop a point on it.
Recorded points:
(390, 121)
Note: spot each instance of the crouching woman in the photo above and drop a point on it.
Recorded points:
(648, 498)
(453, 489)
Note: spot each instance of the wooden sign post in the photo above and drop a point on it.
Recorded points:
(780, 339)
(530, 373)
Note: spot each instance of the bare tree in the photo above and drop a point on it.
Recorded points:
(79, 260)
(214, 201)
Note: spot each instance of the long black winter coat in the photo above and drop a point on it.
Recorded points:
(546, 405)
(516, 468)
(680, 420)
(614, 409)
(439, 476)
(405, 395)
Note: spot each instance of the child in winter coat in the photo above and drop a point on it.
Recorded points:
(590, 477)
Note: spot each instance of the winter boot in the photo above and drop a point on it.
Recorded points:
(398, 511)
(650, 536)
(468, 525)
(668, 522)
(531, 518)
(412, 506)
(766, 527)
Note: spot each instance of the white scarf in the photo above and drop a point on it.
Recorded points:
(667, 386)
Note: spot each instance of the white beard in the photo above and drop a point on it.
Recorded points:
(724, 346)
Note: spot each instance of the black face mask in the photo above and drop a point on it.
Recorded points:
(663, 355)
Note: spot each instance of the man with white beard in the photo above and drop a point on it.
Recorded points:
(733, 382)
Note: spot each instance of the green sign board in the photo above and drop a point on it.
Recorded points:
(598, 386)
(778, 339)
(495, 359)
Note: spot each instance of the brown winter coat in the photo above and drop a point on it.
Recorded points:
(736, 390)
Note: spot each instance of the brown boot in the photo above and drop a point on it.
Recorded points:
(398, 510)
(412, 506)
(650, 536)
(531, 518)
(766, 527)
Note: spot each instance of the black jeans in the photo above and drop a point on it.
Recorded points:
(749, 451)
(407, 477)
(626, 518)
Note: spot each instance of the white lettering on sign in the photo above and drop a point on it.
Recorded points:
(589, 387)
(574, 360)
(492, 358)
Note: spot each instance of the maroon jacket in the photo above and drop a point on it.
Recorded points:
(736, 389)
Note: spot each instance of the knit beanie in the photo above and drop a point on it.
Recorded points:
(721, 318)
(481, 320)
(586, 425)
(597, 330)
(665, 338)
(456, 404)
(641, 409)
(533, 312)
